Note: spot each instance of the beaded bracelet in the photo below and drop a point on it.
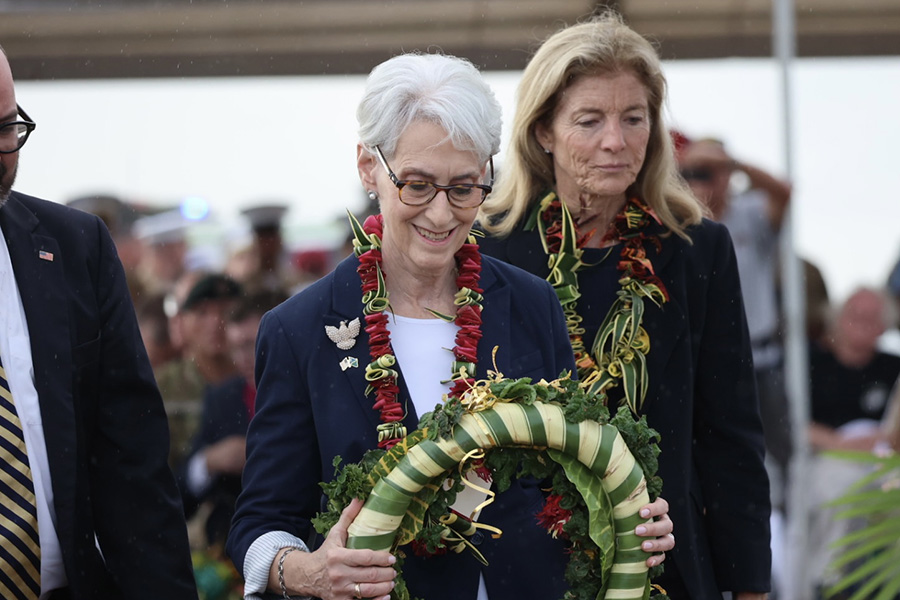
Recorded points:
(281, 569)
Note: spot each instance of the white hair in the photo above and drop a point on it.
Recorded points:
(435, 88)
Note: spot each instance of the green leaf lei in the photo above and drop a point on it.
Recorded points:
(619, 352)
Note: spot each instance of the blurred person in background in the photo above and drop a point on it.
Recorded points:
(163, 250)
(89, 507)
(172, 302)
(119, 217)
(212, 475)
(312, 265)
(818, 309)
(154, 326)
(198, 328)
(753, 218)
(591, 164)
(851, 378)
(265, 264)
(850, 385)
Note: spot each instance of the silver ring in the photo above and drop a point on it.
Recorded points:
(358, 593)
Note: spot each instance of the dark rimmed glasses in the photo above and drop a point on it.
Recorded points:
(14, 135)
(414, 192)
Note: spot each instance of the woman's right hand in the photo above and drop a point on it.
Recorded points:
(335, 572)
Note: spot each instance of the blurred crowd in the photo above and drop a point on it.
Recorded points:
(199, 326)
(854, 375)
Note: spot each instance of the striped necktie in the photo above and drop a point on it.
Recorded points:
(20, 551)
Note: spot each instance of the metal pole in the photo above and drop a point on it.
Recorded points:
(797, 577)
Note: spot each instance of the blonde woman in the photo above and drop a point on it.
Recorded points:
(590, 198)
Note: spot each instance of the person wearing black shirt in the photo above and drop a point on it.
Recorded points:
(851, 382)
(850, 378)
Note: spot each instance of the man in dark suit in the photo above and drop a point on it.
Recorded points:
(107, 516)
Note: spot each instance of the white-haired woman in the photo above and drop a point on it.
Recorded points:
(429, 126)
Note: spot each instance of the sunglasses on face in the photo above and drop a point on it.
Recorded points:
(698, 174)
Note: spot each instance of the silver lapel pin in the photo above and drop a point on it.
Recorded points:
(345, 335)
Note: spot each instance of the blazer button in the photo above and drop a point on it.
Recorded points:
(477, 538)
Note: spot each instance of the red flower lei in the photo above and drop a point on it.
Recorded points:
(380, 373)
(629, 227)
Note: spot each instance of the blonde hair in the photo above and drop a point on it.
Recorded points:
(602, 45)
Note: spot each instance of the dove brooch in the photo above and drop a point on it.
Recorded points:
(344, 335)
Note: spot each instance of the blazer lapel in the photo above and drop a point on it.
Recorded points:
(38, 265)
(346, 306)
(665, 324)
(494, 326)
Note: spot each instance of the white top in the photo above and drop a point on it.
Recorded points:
(15, 352)
(424, 351)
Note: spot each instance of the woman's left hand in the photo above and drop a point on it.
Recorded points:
(660, 529)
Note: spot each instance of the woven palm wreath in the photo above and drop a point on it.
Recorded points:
(601, 472)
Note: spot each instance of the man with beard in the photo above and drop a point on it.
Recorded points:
(88, 506)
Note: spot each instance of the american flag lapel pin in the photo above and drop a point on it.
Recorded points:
(44, 255)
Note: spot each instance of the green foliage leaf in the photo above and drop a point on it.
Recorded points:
(351, 481)
(875, 568)
(871, 544)
(869, 556)
(507, 464)
(414, 518)
(630, 380)
(440, 422)
(586, 409)
(890, 528)
(600, 517)
(884, 467)
(871, 504)
(515, 389)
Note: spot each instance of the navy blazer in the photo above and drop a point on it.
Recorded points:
(701, 399)
(103, 419)
(308, 411)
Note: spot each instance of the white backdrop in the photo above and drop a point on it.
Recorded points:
(237, 142)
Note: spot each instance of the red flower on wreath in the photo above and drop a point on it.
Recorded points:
(553, 517)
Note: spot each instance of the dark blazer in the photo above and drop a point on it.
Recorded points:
(701, 399)
(308, 411)
(103, 418)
